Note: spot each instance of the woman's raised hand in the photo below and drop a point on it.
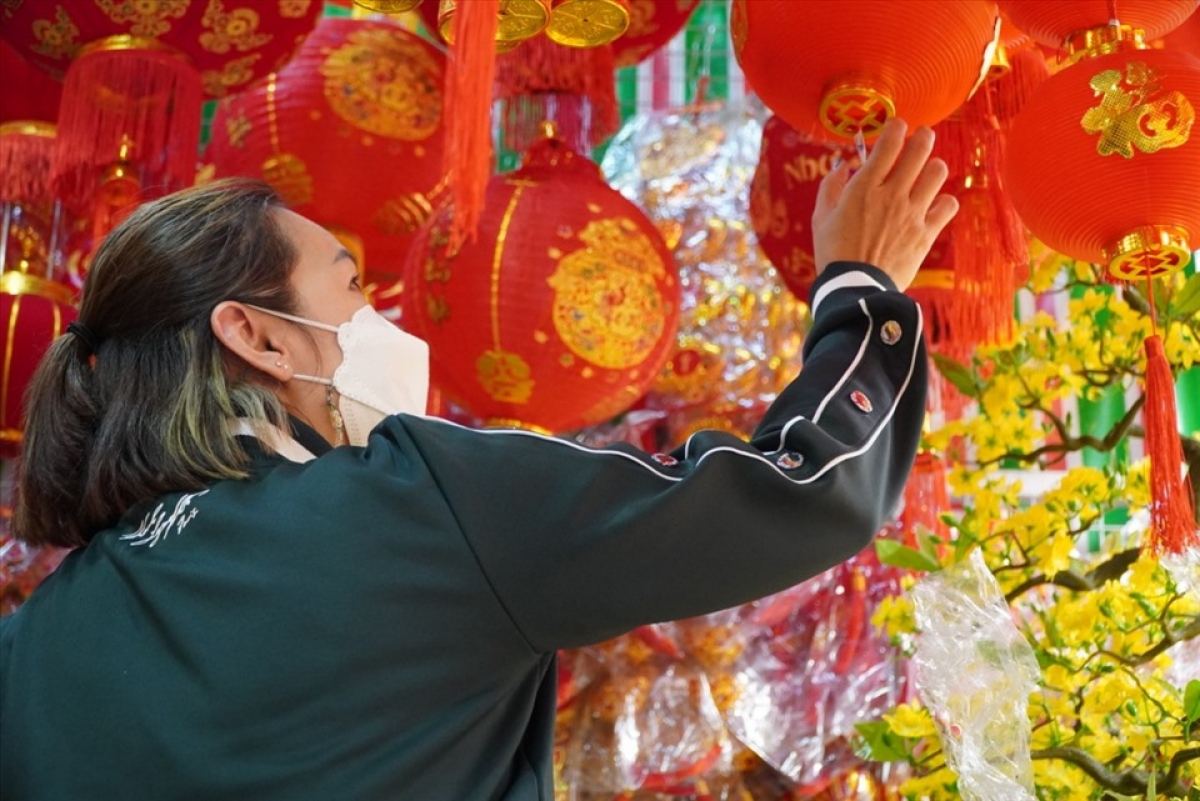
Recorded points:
(889, 212)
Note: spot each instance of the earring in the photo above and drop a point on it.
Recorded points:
(335, 417)
(279, 363)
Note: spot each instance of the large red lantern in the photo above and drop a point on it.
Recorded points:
(1075, 24)
(1185, 38)
(564, 310)
(837, 69)
(33, 313)
(652, 23)
(350, 134)
(136, 76)
(783, 196)
(1104, 161)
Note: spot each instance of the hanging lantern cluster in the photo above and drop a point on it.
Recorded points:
(136, 75)
(833, 70)
(563, 311)
(1104, 162)
(349, 132)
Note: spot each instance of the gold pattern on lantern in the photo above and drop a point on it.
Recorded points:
(218, 83)
(847, 109)
(403, 215)
(294, 9)
(1149, 252)
(437, 309)
(608, 308)
(235, 29)
(237, 128)
(1136, 111)
(58, 39)
(385, 85)
(149, 17)
(642, 20)
(288, 175)
(504, 376)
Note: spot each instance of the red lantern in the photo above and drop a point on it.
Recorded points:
(136, 76)
(33, 313)
(349, 132)
(563, 311)
(1072, 24)
(1104, 161)
(652, 23)
(835, 69)
(1185, 38)
(783, 196)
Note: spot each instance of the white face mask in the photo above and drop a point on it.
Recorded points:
(384, 371)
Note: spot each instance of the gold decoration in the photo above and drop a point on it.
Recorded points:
(15, 283)
(587, 23)
(218, 83)
(148, 18)
(1137, 112)
(388, 6)
(294, 9)
(505, 376)
(58, 39)
(385, 85)
(288, 175)
(404, 215)
(608, 309)
(237, 128)
(519, 20)
(850, 108)
(1102, 41)
(236, 29)
(1149, 252)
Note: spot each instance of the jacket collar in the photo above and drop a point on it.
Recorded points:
(301, 444)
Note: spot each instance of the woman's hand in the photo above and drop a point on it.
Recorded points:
(889, 212)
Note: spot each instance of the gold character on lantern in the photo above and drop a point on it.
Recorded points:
(1136, 112)
(58, 39)
(236, 29)
(288, 175)
(217, 83)
(505, 376)
(149, 19)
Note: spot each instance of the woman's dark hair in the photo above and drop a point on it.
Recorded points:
(149, 412)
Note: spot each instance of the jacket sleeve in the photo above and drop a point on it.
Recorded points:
(581, 544)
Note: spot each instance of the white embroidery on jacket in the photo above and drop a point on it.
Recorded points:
(157, 525)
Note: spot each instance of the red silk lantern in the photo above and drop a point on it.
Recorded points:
(1185, 38)
(863, 61)
(136, 75)
(33, 312)
(783, 196)
(652, 23)
(1104, 161)
(563, 311)
(29, 93)
(349, 132)
(1069, 24)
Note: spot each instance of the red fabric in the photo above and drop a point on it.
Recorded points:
(561, 314)
(357, 142)
(1185, 38)
(1052, 21)
(793, 52)
(29, 93)
(28, 324)
(1078, 201)
(652, 23)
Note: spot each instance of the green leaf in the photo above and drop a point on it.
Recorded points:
(1191, 706)
(957, 374)
(928, 544)
(883, 744)
(893, 553)
(1187, 301)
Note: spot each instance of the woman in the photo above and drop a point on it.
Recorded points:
(254, 613)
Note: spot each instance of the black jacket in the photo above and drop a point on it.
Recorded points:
(381, 623)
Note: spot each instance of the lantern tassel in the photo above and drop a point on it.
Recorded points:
(25, 166)
(469, 80)
(1172, 517)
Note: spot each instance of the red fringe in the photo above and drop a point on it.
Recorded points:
(469, 81)
(925, 499)
(542, 80)
(1172, 513)
(150, 100)
(25, 167)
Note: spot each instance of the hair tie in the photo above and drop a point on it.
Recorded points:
(85, 335)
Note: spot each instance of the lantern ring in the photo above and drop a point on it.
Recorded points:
(850, 108)
(1149, 252)
(14, 283)
(29, 128)
(126, 42)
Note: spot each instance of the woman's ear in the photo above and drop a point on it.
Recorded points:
(247, 335)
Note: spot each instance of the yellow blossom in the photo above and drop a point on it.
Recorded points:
(910, 720)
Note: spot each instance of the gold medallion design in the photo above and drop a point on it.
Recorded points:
(288, 175)
(385, 85)
(149, 17)
(608, 309)
(294, 9)
(218, 83)
(851, 108)
(505, 376)
(58, 39)
(236, 29)
(1137, 112)
(237, 128)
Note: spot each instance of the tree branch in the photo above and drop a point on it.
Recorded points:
(1126, 782)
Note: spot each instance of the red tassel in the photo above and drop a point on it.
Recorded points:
(26, 150)
(468, 150)
(133, 100)
(1172, 516)
(925, 499)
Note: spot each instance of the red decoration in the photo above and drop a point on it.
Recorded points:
(349, 132)
(1185, 38)
(564, 310)
(136, 75)
(29, 93)
(783, 196)
(834, 69)
(33, 313)
(1056, 22)
(652, 23)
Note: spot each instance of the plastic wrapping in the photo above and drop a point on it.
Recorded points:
(1184, 569)
(975, 671)
(740, 329)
